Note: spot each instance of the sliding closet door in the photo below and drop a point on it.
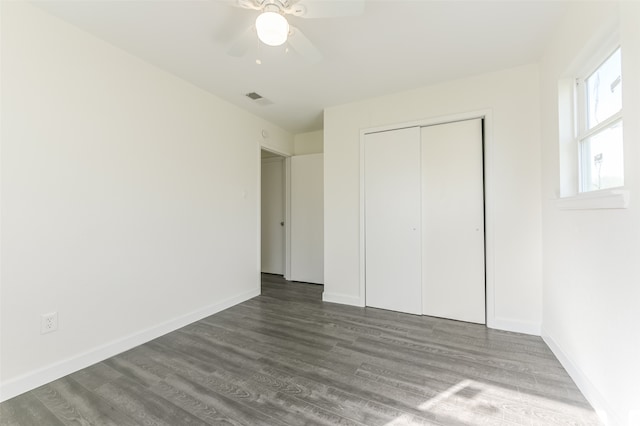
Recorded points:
(392, 220)
(453, 221)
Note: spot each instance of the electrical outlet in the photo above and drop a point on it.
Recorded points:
(49, 323)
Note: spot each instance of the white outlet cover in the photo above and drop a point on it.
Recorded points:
(48, 322)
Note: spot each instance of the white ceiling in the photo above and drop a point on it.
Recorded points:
(395, 45)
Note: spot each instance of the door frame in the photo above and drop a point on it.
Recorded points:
(287, 208)
(489, 202)
(280, 163)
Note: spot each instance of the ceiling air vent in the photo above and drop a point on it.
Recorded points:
(258, 98)
(254, 96)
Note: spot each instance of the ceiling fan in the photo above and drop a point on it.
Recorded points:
(273, 29)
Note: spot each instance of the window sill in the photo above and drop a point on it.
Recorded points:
(603, 199)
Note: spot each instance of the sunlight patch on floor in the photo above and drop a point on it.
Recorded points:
(442, 396)
(459, 403)
(472, 402)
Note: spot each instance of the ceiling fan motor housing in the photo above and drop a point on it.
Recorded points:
(288, 7)
(282, 4)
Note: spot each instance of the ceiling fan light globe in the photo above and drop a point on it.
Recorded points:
(272, 28)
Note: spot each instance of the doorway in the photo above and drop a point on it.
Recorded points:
(273, 213)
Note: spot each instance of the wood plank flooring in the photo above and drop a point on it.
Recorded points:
(287, 358)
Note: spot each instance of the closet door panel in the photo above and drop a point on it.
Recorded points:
(453, 258)
(392, 220)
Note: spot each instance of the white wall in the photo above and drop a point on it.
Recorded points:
(308, 143)
(307, 214)
(282, 145)
(513, 192)
(129, 199)
(591, 257)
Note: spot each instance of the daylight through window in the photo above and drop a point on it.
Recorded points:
(599, 135)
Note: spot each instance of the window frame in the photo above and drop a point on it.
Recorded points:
(580, 120)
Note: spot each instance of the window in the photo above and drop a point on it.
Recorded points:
(599, 126)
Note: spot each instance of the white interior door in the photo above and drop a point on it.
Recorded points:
(272, 216)
(392, 220)
(307, 218)
(453, 221)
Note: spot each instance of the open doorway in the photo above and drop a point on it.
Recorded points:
(273, 213)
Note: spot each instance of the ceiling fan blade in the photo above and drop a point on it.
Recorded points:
(326, 8)
(244, 4)
(301, 44)
(242, 43)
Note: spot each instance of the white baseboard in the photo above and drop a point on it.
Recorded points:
(604, 410)
(44, 375)
(497, 323)
(524, 327)
(342, 299)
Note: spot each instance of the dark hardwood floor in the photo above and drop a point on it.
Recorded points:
(287, 358)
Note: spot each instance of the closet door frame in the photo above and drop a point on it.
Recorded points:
(486, 116)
